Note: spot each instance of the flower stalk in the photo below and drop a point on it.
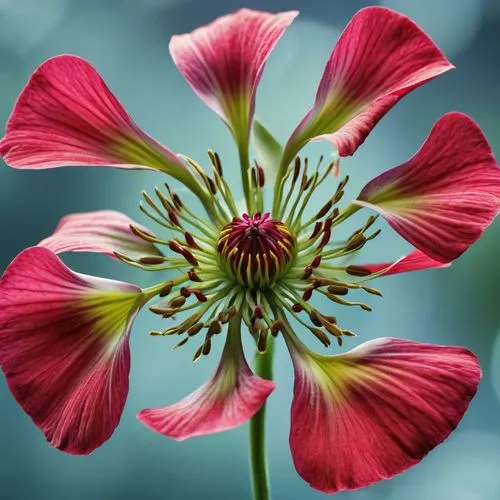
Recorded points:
(259, 471)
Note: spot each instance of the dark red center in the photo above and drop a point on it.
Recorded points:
(255, 249)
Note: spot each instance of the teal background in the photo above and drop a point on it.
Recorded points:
(127, 42)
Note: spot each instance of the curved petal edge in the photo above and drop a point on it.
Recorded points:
(102, 231)
(443, 198)
(64, 348)
(373, 412)
(230, 398)
(380, 57)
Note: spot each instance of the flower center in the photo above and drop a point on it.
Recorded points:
(255, 250)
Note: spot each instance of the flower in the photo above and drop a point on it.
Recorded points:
(357, 417)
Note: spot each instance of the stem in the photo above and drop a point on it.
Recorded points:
(245, 175)
(263, 367)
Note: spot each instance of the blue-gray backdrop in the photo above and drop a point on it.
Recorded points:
(127, 41)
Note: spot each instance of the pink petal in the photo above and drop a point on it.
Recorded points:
(443, 198)
(414, 261)
(377, 410)
(379, 58)
(66, 115)
(64, 348)
(104, 231)
(223, 61)
(231, 397)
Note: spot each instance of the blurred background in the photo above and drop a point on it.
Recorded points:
(127, 41)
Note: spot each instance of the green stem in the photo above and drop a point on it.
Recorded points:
(245, 175)
(263, 367)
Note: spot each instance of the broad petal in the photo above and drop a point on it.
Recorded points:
(414, 261)
(380, 57)
(66, 115)
(64, 348)
(231, 397)
(104, 231)
(443, 198)
(375, 411)
(223, 62)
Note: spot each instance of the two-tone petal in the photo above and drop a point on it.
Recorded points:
(366, 415)
(103, 231)
(231, 397)
(443, 198)
(223, 62)
(380, 57)
(64, 348)
(66, 115)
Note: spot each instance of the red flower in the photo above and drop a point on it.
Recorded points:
(357, 417)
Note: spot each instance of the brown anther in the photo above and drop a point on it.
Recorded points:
(356, 242)
(175, 247)
(343, 182)
(173, 218)
(207, 345)
(310, 180)
(158, 310)
(308, 270)
(307, 293)
(316, 262)
(258, 312)
(338, 195)
(324, 210)
(181, 343)
(214, 328)
(331, 319)
(262, 342)
(169, 313)
(297, 308)
(198, 353)
(177, 302)
(316, 318)
(200, 296)
(277, 327)
(328, 224)
(166, 289)
(185, 292)
(255, 181)
(212, 185)
(358, 271)
(320, 335)
(229, 315)
(339, 341)
(151, 260)
(195, 329)
(261, 176)
(334, 214)
(348, 333)
(255, 326)
(371, 290)
(338, 289)
(193, 276)
(143, 234)
(332, 328)
(215, 159)
(190, 241)
(177, 201)
(326, 238)
(317, 228)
